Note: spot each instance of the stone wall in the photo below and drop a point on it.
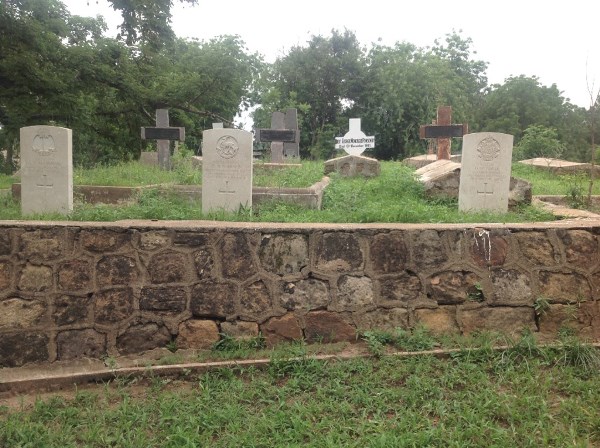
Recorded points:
(72, 290)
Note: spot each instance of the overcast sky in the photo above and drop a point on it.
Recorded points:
(558, 41)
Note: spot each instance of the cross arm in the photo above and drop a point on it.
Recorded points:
(167, 133)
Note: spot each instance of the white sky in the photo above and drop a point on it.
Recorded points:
(557, 41)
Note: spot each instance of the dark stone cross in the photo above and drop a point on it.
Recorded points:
(283, 135)
(443, 131)
(163, 134)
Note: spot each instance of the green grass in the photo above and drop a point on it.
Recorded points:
(522, 396)
(6, 181)
(394, 196)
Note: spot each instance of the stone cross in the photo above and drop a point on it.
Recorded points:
(283, 135)
(443, 131)
(354, 142)
(163, 134)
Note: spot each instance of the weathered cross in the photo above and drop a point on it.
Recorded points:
(163, 134)
(443, 131)
(283, 135)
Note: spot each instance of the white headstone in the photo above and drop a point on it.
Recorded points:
(226, 170)
(355, 141)
(46, 169)
(217, 125)
(485, 172)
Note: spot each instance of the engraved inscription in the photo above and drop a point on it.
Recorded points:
(485, 190)
(227, 147)
(45, 183)
(43, 144)
(488, 149)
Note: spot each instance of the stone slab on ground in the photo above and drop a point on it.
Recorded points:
(442, 179)
(425, 159)
(560, 166)
(353, 165)
(562, 210)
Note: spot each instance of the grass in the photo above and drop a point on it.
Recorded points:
(523, 396)
(392, 197)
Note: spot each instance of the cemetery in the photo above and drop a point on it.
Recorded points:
(204, 235)
(74, 290)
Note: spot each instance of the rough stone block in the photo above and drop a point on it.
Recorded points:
(428, 249)
(213, 299)
(581, 248)
(401, 289)
(70, 309)
(537, 249)
(339, 252)
(197, 334)
(74, 344)
(255, 302)
(388, 253)
(115, 270)
(40, 245)
(382, 319)
(511, 287)
(141, 337)
(192, 239)
(35, 278)
(5, 243)
(488, 249)
(310, 294)
(5, 275)
(168, 267)
(281, 329)
(564, 287)
(454, 287)
(20, 313)
(239, 329)
(325, 326)
(113, 305)
(237, 261)
(166, 299)
(75, 275)
(584, 318)
(505, 320)
(284, 254)
(354, 293)
(438, 321)
(154, 240)
(203, 261)
(104, 240)
(21, 348)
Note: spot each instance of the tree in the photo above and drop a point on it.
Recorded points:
(321, 79)
(147, 23)
(539, 141)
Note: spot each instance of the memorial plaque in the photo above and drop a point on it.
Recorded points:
(226, 170)
(46, 170)
(485, 172)
(163, 133)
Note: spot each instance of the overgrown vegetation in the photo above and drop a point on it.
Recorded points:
(524, 395)
(394, 196)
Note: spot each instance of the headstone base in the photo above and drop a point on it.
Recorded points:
(352, 166)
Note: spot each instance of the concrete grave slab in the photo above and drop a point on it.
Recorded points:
(351, 166)
(46, 169)
(559, 166)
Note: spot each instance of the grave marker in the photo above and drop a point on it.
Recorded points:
(283, 135)
(226, 170)
(443, 131)
(217, 125)
(163, 134)
(46, 169)
(485, 172)
(354, 142)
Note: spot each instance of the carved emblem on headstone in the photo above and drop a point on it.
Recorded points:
(488, 149)
(227, 147)
(43, 144)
